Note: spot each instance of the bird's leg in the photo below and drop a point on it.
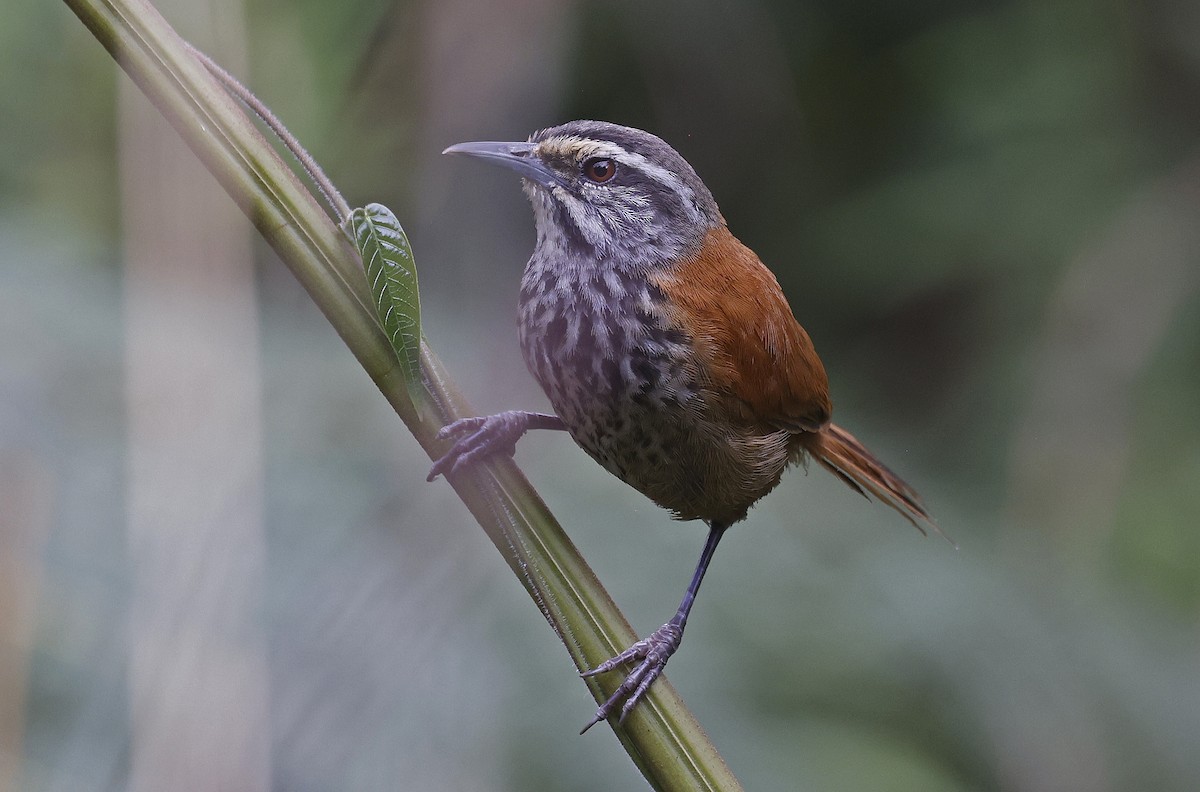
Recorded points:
(652, 653)
(487, 435)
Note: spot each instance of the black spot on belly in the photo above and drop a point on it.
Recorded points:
(556, 332)
(612, 375)
(674, 335)
(647, 373)
(669, 444)
(599, 286)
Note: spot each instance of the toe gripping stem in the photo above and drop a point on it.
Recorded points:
(484, 436)
(652, 653)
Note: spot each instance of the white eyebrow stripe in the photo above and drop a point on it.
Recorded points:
(668, 179)
(580, 148)
(577, 148)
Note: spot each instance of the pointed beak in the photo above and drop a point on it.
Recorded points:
(516, 156)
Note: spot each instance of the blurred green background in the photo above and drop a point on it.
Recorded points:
(987, 215)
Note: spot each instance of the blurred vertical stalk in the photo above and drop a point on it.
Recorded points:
(26, 490)
(661, 736)
(1126, 288)
(198, 681)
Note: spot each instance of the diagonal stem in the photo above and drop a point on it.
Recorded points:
(661, 737)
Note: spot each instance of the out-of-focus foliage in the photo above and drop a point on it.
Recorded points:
(987, 216)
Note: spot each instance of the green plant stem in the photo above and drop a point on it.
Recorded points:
(661, 736)
(333, 198)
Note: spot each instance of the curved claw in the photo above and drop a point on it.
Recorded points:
(477, 439)
(461, 427)
(487, 435)
(651, 655)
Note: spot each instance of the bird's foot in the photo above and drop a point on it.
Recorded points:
(479, 438)
(651, 655)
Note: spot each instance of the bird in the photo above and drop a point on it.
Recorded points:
(667, 350)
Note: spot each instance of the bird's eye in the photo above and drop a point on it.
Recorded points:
(599, 169)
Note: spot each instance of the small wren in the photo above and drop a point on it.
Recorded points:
(666, 348)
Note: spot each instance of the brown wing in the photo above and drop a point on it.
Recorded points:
(745, 333)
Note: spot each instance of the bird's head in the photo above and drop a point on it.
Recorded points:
(605, 191)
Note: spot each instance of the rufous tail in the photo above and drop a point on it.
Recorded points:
(840, 453)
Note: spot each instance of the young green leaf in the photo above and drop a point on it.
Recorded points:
(392, 276)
